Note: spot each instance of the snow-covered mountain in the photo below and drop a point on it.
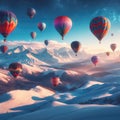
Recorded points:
(32, 96)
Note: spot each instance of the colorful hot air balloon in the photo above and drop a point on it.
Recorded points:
(63, 25)
(107, 53)
(113, 46)
(15, 69)
(55, 81)
(31, 12)
(3, 49)
(33, 35)
(46, 42)
(41, 26)
(100, 26)
(75, 45)
(94, 60)
(8, 22)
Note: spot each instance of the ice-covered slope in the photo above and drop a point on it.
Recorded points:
(74, 112)
(21, 97)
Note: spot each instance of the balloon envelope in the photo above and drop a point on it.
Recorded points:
(113, 46)
(94, 60)
(55, 81)
(8, 22)
(41, 26)
(3, 48)
(31, 12)
(33, 35)
(15, 69)
(107, 53)
(100, 26)
(75, 45)
(63, 25)
(46, 42)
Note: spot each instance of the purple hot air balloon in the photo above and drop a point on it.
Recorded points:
(41, 26)
(31, 12)
(63, 25)
(33, 35)
(94, 60)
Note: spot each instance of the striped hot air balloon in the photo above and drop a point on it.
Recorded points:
(100, 26)
(8, 22)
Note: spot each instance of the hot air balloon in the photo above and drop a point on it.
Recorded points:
(113, 46)
(41, 26)
(112, 34)
(3, 49)
(55, 81)
(94, 60)
(8, 22)
(46, 42)
(100, 26)
(63, 25)
(33, 35)
(107, 53)
(15, 69)
(76, 45)
(31, 12)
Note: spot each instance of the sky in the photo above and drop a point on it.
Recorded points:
(80, 11)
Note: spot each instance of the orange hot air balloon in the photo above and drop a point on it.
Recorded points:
(8, 23)
(55, 81)
(63, 25)
(100, 26)
(107, 53)
(113, 46)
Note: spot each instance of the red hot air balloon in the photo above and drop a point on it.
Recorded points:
(31, 12)
(15, 69)
(100, 26)
(8, 22)
(3, 48)
(41, 26)
(107, 53)
(55, 81)
(33, 35)
(113, 46)
(76, 45)
(63, 25)
(94, 60)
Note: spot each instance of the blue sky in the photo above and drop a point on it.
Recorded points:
(80, 11)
